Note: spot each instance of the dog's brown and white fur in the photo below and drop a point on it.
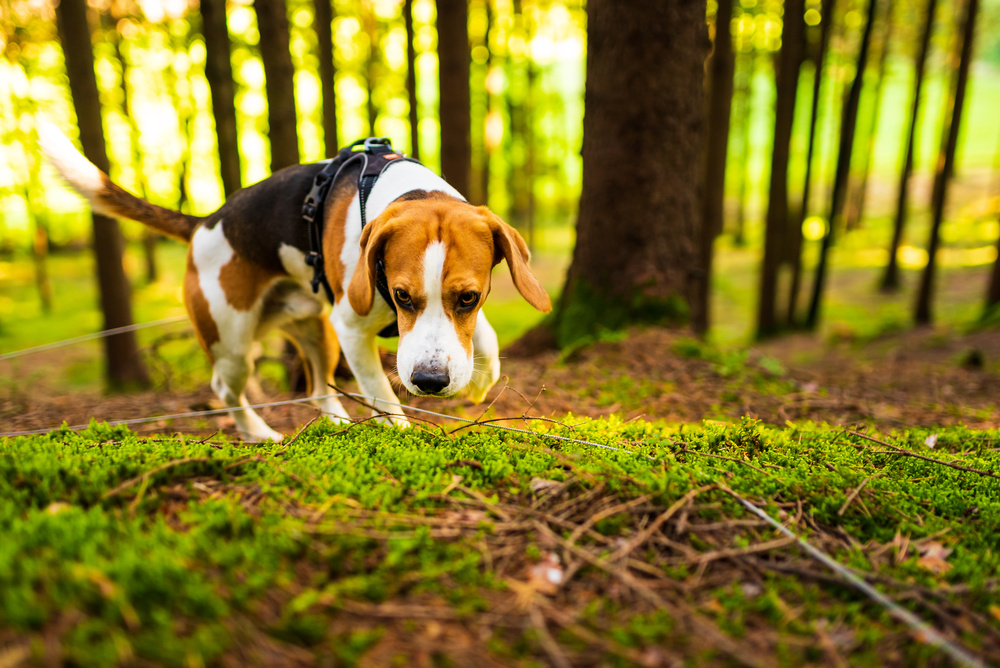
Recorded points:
(246, 275)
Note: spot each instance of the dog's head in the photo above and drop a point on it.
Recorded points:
(438, 254)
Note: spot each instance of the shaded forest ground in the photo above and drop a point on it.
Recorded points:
(917, 378)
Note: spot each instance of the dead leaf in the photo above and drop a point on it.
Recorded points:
(931, 440)
(933, 555)
(543, 486)
(57, 507)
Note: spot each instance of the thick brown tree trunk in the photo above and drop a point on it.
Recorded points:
(454, 114)
(848, 125)
(890, 281)
(795, 234)
(636, 257)
(219, 72)
(923, 314)
(272, 21)
(720, 102)
(411, 79)
(776, 231)
(327, 73)
(124, 367)
(993, 289)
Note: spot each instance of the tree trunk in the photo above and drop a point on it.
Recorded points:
(636, 257)
(739, 233)
(124, 367)
(795, 252)
(272, 21)
(720, 72)
(411, 79)
(186, 113)
(776, 232)
(891, 279)
(370, 22)
(453, 68)
(148, 236)
(327, 73)
(993, 290)
(856, 201)
(946, 164)
(484, 166)
(219, 72)
(848, 126)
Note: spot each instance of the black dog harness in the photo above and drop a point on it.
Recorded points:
(375, 155)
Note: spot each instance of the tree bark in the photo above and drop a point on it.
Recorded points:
(720, 81)
(636, 257)
(282, 127)
(739, 233)
(923, 313)
(453, 68)
(848, 125)
(327, 73)
(219, 72)
(124, 367)
(795, 252)
(776, 232)
(856, 201)
(890, 281)
(411, 79)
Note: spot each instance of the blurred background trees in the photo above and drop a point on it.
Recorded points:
(840, 135)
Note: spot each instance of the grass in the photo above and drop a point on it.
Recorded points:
(362, 544)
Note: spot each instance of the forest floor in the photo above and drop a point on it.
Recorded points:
(922, 377)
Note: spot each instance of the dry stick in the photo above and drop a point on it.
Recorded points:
(645, 535)
(567, 622)
(854, 494)
(743, 551)
(606, 513)
(551, 647)
(177, 462)
(927, 632)
(908, 453)
(702, 625)
(685, 451)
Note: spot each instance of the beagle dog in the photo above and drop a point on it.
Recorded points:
(247, 274)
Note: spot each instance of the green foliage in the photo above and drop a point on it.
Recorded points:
(158, 547)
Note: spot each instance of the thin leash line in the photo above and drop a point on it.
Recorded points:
(928, 632)
(90, 337)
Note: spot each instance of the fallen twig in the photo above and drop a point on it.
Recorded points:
(908, 453)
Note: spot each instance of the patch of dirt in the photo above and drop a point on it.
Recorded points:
(916, 378)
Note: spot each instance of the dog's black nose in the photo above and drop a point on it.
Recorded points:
(430, 382)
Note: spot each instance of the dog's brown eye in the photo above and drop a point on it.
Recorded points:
(402, 297)
(468, 299)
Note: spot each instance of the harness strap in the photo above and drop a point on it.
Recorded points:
(376, 156)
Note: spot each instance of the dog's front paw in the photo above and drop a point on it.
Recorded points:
(261, 435)
(484, 377)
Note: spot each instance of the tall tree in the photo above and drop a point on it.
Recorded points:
(636, 257)
(411, 79)
(370, 22)
(795, 233)
(993, 288)
(327, 73)
(743, 128)
(848, 125)
(123, 364)
(946, 163)
(722, 65)
(858, 194)
(282, 127)
(219, 72)
(777, 223)
(453, 72)
(890, 281)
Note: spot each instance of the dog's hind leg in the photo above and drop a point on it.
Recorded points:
(229, 380)
(320, 350)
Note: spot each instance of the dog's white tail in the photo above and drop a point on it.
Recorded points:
(106, 197)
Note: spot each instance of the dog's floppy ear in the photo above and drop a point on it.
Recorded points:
(509, 245)
(361, 291)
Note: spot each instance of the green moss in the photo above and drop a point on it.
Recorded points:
(587, 313)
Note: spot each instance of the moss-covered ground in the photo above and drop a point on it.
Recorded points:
(368, 545)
